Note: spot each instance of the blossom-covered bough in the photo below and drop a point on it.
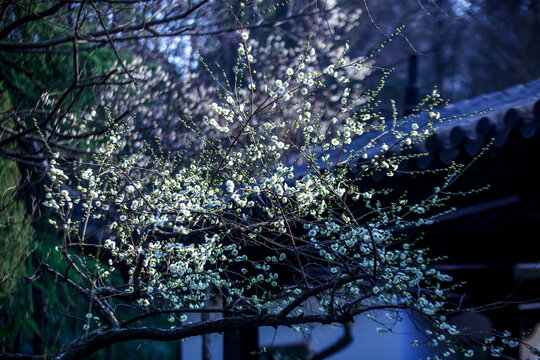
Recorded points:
(270, 216)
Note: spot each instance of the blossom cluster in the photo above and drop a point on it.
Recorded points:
(270, 211)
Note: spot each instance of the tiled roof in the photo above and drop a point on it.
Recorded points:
(488, 116)
(468, 127)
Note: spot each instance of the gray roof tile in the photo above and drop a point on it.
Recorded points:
(468, 126)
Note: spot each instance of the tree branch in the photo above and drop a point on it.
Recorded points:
(29, 18)
(95, 34)
(112, 43)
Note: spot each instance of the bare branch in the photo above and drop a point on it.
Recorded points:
(29, 18)
(96, 34)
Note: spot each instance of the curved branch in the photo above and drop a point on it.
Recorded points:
(9, 28)
(101, 338)
(118, 29)
(341, 343)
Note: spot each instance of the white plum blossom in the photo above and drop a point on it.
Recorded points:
(272, 204)
(229, 186)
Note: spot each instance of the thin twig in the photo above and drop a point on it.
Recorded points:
(113, 46)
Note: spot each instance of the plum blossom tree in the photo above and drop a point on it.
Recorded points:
(239, 221)
(263, 208)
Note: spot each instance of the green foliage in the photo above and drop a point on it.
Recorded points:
(16, 234)
(25, 242)
(16, 247)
